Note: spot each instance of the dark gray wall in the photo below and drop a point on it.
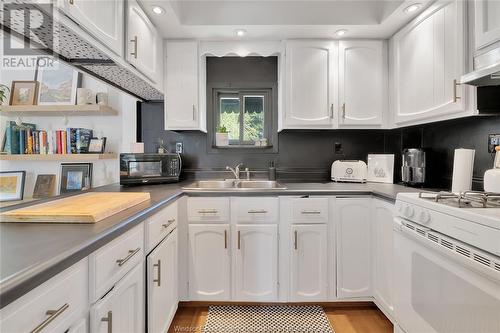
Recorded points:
(307, 155)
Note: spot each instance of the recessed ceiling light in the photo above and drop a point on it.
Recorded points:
(412, 8)
(158, 10)
(240, 32)
(341, 32)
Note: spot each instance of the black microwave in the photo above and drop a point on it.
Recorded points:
(136, 169)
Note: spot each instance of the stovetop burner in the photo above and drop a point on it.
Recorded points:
(468, 199)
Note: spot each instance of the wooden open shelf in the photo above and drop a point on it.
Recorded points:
(57, 157)
(58, 110)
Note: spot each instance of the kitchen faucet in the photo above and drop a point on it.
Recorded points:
(235, 171)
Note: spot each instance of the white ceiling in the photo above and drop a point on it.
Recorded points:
(280, 19)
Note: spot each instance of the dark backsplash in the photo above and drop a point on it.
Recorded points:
(308, 154)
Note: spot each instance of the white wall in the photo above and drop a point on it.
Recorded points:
(119, 130)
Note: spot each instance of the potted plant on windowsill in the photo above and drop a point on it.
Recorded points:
(222, 137)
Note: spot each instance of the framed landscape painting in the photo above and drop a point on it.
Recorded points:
(12, 185)
(75, 177)
(58, 84)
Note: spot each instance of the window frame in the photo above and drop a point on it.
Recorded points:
(242, 93)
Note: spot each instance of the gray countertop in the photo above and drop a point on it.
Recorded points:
(31, 253)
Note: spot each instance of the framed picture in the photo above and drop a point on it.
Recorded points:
(12, 185)
(23, 93)
(97, 146)
(58, 84)
(75, 177)
(381, 168)
(45, 186)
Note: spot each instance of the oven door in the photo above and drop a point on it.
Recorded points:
(435, 292)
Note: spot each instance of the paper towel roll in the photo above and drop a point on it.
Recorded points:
(463, 166)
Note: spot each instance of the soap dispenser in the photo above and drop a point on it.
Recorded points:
(492, 176)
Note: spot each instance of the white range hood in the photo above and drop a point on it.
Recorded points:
(487, 70)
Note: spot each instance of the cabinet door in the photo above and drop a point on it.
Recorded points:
(123, 307)
(162, 284)
(181, 86)
(255, 263)
(353, 248)
(102, 19)
(144, 44)
(362, 82)
(309, 84)
(383, 253)
(209, 262)
(308, 266)
(487, 22)
(428, 59)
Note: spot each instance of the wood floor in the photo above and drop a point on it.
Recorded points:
(344, 319)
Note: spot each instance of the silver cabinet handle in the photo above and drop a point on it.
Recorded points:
(169, 222)
(225, 239)
(158, 280)
(252, 211)
(194, 112)
(455, 85)
(295, 239)
(131, 253)
(343, 111)
(239, 240)
(310, 212)
(109, 320)
(208, 211)
(53, 314)
(331, 110)
(135, 47)
(71, 2)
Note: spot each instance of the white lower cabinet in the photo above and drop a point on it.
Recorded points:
(382, 217)
(255, 262)
(308, 264)
(122, 308)
(162, 284)
(209, 262)
(354, 250)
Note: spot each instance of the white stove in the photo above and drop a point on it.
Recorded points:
(447, 262)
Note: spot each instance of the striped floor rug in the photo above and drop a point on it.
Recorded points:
(267, 319)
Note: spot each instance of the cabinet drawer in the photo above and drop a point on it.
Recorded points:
(255, 210)
(62, 299)
(159, 225)
(310, 210)
(208, 209)
(111, 262)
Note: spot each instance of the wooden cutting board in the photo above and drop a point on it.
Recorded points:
(83, 208)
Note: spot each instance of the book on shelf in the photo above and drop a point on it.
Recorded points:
(26, 139)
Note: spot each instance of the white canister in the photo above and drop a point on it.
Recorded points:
(492, 176)
(84, 96)
(221, 139)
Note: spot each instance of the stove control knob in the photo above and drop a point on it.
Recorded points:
(425, 217)
(408, 212)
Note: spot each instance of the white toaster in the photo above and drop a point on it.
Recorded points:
(349, 171)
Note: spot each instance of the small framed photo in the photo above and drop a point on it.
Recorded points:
(75, 177)
(97, 145)
(58, 84)
(12, 185)
(24, 93)
(381, 168)
(45, 186)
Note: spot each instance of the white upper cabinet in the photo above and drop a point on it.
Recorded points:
(310, 84)
(308, 265)
(362, 82)
(181, 86)
(487, 22)
(255, 263)
(102, 19)
(144, 44)
(428, 58)
(382, 216)
(354, 249)
(209, 262)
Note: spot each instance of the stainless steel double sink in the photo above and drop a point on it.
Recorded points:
(234, 184)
